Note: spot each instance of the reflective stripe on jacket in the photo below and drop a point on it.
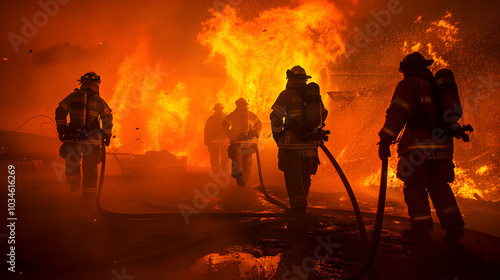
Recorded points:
(290, 106)
(97, 110)
(213, 129)
(239, 123)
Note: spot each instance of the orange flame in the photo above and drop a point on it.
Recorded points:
(139, 101)
(445, 30)
(447, 33)
(258, 52)
(464, 186)
(127, 92)
(392, 180)
(169, 115)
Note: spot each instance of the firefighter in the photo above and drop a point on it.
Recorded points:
(243, 129)
(81, 137)
(426, 152)
(215, 139)
(297, 155)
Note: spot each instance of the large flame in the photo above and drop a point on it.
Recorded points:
(258, 52)
(256, 55)
(146, 111)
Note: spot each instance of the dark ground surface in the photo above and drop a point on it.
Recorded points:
(59, 236)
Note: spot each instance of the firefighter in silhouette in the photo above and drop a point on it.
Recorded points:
(82, 136)
(215, 139)
(298, 147)
(423, 106)
(243, 129)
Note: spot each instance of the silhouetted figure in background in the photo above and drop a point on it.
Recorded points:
(426, 152)
(298, 155)
(243, 129)
(215, 139)
(82, 136)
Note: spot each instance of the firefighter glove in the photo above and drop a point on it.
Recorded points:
(61, 131)
(106, 138)
(384, 150)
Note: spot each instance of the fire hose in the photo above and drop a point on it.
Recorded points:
(373, 246)
(352, 197)
(263, 189)
(377, 231)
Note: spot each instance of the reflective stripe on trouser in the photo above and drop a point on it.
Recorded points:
(89, 170)
(417, 200)
(298, 166)
(73, 153)
(241, 160)
(446, 206)
(72, 162)
(431, 177)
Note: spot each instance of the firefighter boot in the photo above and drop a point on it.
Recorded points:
(239, 180)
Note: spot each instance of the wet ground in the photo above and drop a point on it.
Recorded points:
(59, 236)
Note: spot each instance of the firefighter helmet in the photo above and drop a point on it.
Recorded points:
(241, 102)
(414, 61)
(297, 72)
(90, 77)
(218, 107)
